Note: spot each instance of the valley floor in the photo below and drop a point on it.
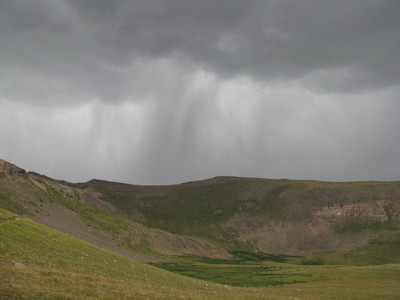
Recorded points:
(53, 265)
(34, 282)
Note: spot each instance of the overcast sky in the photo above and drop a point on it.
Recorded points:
(168, 91)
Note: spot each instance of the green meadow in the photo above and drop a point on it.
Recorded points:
(59, 266)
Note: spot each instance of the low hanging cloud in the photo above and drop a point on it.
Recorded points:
(167, 91)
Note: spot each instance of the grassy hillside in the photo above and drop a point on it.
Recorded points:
(58, 266)
(323, 240)
(40, 197)
(217, 200)
(260, 214)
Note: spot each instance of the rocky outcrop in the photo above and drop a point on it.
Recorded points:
(381, 210)
(17, 265)
(7, 168)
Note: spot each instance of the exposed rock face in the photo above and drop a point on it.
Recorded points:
(10, 169)
(315, 234)
(381, 210)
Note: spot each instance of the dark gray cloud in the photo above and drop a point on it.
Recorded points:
(70, 50)
(173, 90)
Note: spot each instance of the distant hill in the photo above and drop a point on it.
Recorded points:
(278, 216)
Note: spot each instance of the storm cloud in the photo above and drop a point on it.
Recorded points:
(168, 91)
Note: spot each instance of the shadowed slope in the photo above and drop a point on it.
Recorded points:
(281, 216)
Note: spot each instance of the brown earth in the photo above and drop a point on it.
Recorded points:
(65, 220)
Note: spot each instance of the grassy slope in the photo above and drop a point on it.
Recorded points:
(201, 208)
(57, 264)
(29, 194)
(60, 266)
(383, 248)
(194, 209)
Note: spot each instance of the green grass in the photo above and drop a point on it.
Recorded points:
(245, 269)
(7, 202)
(288, 281)
(259, 256)
(197, 209)
(6, 215)
(59, 266)
(28, 242)
(51, 255)
(357, 224)
(381, 249)
(274, 205)
(235, 273)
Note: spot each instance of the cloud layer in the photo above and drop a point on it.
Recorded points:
(175, 90)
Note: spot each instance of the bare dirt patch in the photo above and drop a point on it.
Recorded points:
(65, 220)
